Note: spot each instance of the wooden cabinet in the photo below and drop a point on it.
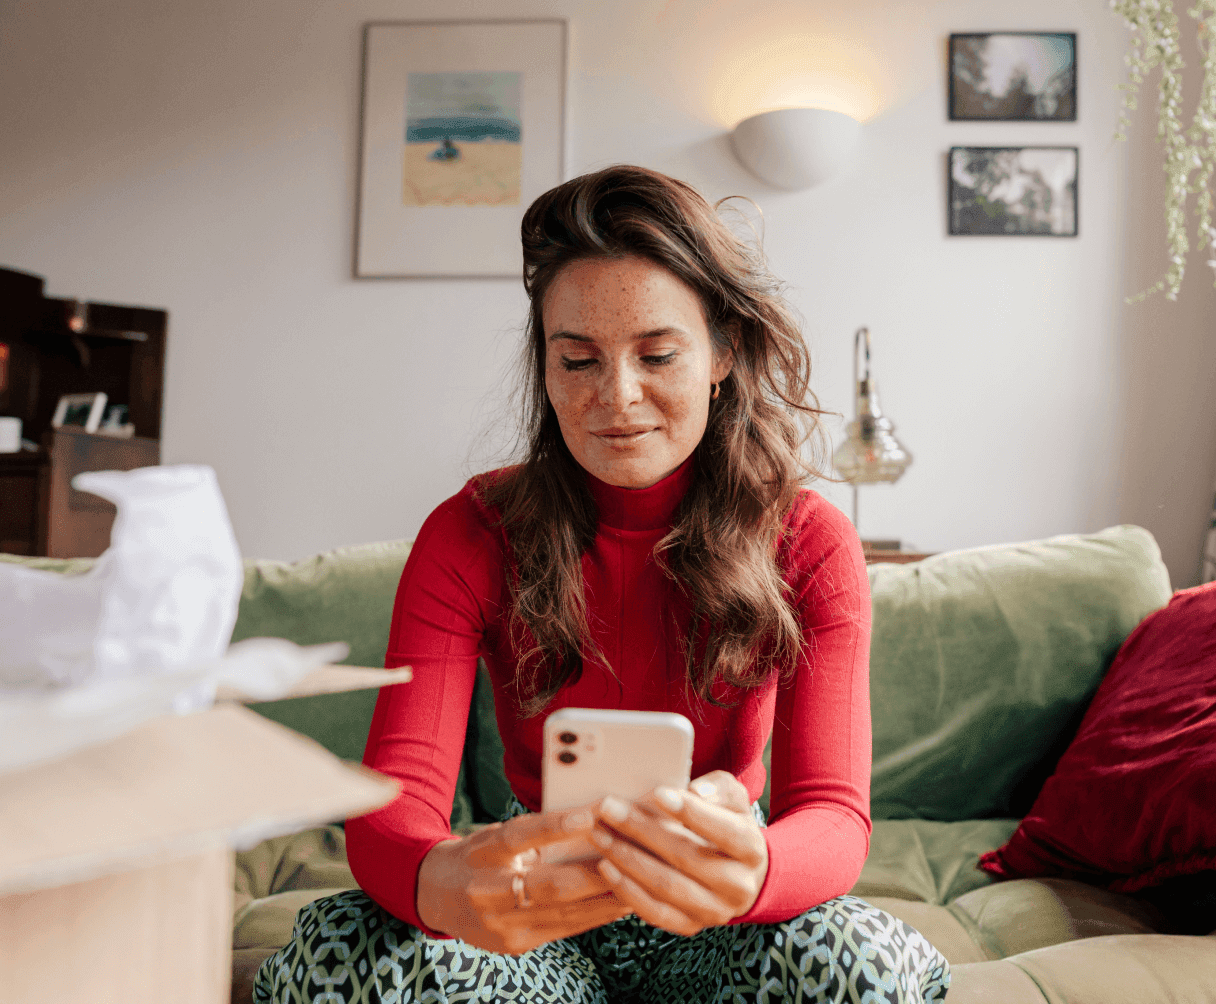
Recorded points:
(77, 524)
(50, 347)
(19, 508)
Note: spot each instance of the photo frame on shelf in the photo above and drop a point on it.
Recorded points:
(1026, 76)
(463, 126)
(79, 411)
(1013, 190)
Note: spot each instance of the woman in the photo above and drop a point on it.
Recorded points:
(654, 551)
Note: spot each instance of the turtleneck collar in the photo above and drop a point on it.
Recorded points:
(641, 508)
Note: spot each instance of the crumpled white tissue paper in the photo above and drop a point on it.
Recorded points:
(85, 658)
(164, 595)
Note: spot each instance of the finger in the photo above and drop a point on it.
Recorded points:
(500, 843)
(565, 883)
(727, 833)
(584, 914)
(666, 884)
(655, 831)
(736, 835)
(720, 787)
(560, 920)
(516, 937)
(657, 914)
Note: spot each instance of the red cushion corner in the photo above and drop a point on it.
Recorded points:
(992, 863)
(1132, 802)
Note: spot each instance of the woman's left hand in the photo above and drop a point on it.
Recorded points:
(684, 860)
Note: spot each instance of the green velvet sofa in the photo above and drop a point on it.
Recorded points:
(982, 664)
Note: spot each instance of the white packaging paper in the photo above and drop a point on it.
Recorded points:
(85, 658)
(163, 596)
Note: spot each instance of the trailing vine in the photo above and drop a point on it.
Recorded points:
(1190, 154)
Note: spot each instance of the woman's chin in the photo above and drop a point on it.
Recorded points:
(633, 472)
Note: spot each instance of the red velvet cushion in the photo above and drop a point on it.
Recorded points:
(1133, 800)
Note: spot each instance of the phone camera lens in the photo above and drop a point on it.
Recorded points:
(568, 738)
(565, 756)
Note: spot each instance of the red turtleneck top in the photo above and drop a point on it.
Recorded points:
(449, 611)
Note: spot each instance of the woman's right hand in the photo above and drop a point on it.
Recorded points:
(467, 887)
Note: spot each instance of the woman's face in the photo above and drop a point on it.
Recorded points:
(628, 367)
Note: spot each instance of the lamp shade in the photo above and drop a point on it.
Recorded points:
(795, 148)
(870, 452)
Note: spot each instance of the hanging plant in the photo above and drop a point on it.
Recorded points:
(1190, 154)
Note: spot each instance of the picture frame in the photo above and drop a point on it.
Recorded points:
(1008, 76)
(1013, 191)
(79, 411)
(462, 127)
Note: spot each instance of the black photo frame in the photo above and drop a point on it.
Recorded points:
(1013, 76)
(1013, 191)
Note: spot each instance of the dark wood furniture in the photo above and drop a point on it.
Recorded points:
(50, 347)
(895, 557)
(875, 556)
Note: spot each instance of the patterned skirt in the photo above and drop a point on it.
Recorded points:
(346, 949)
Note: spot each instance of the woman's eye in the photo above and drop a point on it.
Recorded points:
(659, 360)
(573, 365)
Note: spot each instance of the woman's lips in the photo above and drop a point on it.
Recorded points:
(624, 436)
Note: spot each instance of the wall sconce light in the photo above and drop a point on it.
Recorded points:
(795, 148)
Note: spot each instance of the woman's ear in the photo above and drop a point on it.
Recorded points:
(724, 362)
(724, 358)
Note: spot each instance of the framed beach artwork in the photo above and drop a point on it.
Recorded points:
(1013, 190)
(1027, 76)
(463, 127)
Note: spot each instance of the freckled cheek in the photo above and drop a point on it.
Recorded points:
(684, 418)
(679, 399)
(564, 396)
(673, 410)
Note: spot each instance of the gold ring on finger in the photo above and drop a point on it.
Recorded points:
(520, 891)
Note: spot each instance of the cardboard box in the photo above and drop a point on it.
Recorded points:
(116, 861)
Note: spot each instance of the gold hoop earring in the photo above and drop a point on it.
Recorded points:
(717, 389)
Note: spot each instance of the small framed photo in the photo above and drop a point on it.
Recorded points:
(1013, 190)
(1028, 76)
(115, 422)
(463, 127)
(79, 411)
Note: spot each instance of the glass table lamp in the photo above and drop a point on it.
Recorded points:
(870, 452)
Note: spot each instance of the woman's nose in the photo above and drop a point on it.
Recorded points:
(620, 387)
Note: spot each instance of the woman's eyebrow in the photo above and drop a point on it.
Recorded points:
(655, 333)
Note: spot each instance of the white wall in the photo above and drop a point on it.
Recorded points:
(202, 156)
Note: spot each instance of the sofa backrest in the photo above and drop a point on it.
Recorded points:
(342, 595)
(983, 661)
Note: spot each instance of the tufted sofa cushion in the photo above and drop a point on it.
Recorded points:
(1114, 969)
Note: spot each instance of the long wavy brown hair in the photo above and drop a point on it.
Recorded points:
(721, 550)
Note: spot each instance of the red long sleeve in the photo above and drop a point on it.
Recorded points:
(449, 611)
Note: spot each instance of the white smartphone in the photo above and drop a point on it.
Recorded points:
(590, 753)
